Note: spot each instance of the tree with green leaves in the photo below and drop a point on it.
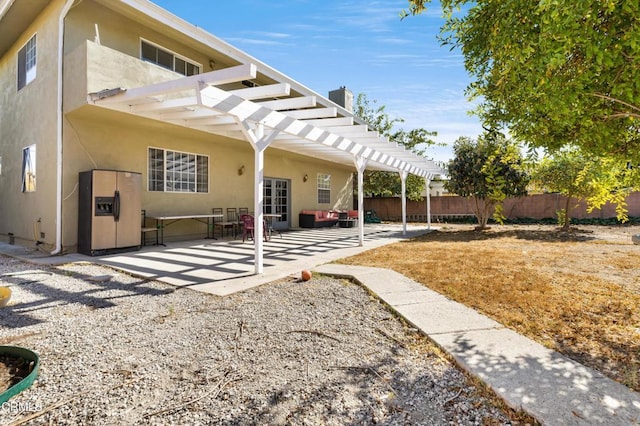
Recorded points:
(489, 170)
(554, 72)
(580, 176)
(387, 184)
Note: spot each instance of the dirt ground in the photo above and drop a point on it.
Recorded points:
(576, 291)
(609, 252)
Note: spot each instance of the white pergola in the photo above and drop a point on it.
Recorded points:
(269, 116)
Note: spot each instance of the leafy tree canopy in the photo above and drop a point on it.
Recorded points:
(581, 176)
(387, 184)
(556, 72)
(489, 170)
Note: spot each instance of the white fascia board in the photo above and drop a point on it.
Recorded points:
(5, 5)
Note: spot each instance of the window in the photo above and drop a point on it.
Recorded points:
(27, 63)
(174, 171)
(324, 188)
(166, 59)
(29, 169)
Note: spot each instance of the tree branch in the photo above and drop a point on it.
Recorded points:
(609, 98)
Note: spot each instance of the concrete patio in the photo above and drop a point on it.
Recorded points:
(226, 266)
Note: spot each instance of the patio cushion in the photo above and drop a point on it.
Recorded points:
(317, 218)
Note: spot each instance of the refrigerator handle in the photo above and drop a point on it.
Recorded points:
(116, 206)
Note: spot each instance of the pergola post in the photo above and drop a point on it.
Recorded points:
(427, 183)
(361, 165)
(260, 143)
(258, 205)
(403, 181)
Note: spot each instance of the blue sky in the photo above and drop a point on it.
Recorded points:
(362, 45)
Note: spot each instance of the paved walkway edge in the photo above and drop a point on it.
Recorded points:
(550, 387)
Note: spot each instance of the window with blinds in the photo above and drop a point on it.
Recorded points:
(167, 59)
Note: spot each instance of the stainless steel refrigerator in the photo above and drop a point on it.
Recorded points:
(109, 214)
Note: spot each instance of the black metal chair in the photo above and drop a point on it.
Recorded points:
(144, 229)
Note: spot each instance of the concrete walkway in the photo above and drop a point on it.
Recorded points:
(553, 389)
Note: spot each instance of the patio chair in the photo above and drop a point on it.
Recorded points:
(233, 220)
(144, 229)
(222, 224)
(248, 227)
(370, 216)
(216, 223)
(241, 211)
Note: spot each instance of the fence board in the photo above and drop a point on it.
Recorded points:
(538, 206)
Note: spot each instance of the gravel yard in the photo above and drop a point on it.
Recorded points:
(115, 349)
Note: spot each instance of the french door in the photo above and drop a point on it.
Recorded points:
(277, 200)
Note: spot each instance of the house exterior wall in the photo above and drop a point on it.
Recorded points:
(101, 51)
(28, 117)
(109, 140)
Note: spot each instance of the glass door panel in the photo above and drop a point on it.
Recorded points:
(277, 201)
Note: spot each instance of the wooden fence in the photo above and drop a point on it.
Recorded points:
(539, 206)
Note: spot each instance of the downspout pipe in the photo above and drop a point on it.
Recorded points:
(63, 14)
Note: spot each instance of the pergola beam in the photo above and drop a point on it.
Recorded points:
(263, 92)
(313, 113)
(291, 103)
(218, 77)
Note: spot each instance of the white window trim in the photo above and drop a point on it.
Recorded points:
(29, 74)
(29, 185)
(321, 185)
(164, 172)
(175, 55)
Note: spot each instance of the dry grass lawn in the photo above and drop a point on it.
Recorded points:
(576, 292)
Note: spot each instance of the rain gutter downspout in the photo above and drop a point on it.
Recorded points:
(63, 14)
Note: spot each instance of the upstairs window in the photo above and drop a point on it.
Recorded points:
(324, 188)
(27, 63)
(167, 59)
(174, 171)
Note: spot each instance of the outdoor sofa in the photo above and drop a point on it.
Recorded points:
(317, 218)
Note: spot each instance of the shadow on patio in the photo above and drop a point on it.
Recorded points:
(225, 266)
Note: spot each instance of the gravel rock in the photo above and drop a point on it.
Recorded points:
(116, 349)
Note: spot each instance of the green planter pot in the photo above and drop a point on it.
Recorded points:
(28, 355)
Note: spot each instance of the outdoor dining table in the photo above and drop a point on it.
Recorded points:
(164, 221)
(268, 217)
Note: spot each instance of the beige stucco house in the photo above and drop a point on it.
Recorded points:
(125, 85)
